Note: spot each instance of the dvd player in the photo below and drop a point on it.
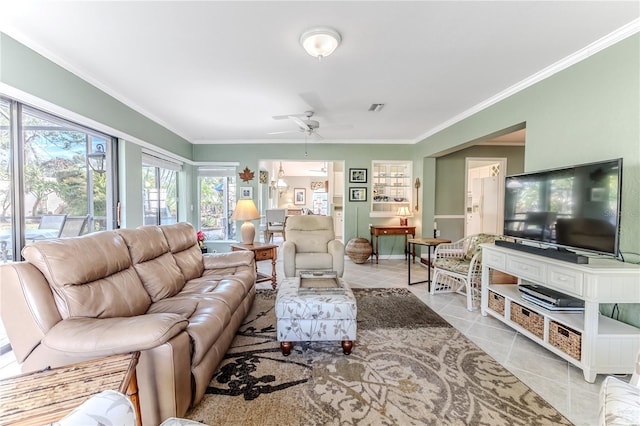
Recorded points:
(551, 296)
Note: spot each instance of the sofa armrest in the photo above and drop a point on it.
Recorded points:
(228, 260)
(109, 336)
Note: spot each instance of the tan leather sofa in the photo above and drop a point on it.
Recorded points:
(148, 289)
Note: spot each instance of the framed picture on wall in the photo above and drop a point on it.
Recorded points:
(246, 192)
(357, 194)
(357, 175)
(299, 196)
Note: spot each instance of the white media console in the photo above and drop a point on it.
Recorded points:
(604, 345)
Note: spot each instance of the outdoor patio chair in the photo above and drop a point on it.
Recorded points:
(74, 226)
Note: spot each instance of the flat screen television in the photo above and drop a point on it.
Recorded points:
(575, 207)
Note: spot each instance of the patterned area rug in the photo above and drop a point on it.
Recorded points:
(408, 367)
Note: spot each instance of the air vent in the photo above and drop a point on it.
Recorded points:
(376, 107)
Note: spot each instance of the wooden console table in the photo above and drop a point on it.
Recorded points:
(46, 396)
(261, 251)
(382, 230)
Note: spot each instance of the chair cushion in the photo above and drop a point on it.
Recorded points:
(619, 403)
(453, 264)
(311, 234)
(474, 246)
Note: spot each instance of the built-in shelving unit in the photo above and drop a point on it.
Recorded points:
(391, 187)
(592, 342)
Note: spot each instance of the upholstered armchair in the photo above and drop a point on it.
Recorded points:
(457, 267)
(311, 245)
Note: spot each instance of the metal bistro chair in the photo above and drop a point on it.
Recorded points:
(457, 267)
(275, 219)
(74, 226)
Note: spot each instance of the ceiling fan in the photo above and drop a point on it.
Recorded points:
(305, 124)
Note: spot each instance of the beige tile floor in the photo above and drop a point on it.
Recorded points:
(553, 378)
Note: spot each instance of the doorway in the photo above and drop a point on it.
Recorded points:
(484, 195)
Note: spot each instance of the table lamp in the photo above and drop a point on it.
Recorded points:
(404, 213)
(247, 211)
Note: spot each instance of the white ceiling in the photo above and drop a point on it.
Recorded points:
(215, 71)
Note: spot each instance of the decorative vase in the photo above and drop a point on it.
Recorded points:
(358, 250)
(203, 250)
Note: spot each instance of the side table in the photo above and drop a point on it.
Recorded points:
(381, 230)
(46, 396)
(427, 242)
(261, 251)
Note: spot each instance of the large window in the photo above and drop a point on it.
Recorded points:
(217, 190)
(160, 186)
(47, 188)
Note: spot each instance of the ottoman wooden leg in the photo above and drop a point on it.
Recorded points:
(347, 345)
(285, 347)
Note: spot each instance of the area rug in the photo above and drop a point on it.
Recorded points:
(408, 367)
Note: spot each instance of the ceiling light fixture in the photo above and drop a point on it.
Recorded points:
(320, 41)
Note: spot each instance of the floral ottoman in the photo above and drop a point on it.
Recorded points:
(315, 314)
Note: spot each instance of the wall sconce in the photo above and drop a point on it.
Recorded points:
(97, 159)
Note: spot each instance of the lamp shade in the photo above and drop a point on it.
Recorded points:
(404, 212)
(246, 210)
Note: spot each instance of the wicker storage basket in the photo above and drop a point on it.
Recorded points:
(496, 302)
(528, 319)
(566, 339)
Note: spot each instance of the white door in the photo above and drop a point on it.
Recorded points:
(484, 195)
(489, 207)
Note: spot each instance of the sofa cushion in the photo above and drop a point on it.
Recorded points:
(183, 244)
(153, 262)
(99, 282)
(311, 234)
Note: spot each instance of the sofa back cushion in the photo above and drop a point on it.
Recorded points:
(153, 262)
(183, 244)
(90, 276)
(311, 234)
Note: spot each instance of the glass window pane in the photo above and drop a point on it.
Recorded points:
(217, 201)
(6, 226)
(150, 195)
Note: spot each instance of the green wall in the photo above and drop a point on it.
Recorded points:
(587, 112)
(450, 178)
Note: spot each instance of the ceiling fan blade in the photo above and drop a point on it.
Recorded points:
(299, 122)
(284, 132)
(286, 117)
